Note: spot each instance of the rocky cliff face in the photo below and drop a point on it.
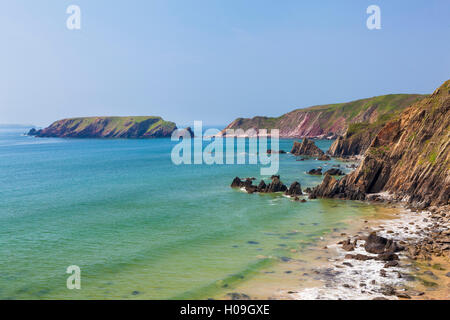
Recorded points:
(329, 120)
(409, 157)
(354, 142)
(108, 127)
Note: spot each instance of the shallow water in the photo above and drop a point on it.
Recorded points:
(139, 226)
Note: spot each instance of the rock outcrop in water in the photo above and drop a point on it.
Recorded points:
(306, 148)
(108, 127)
(329, 121)
(276, 185)
(408, 158)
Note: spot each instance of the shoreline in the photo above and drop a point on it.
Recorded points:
(420, 276)
(325, 271)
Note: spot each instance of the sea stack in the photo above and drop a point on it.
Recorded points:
(306, 148)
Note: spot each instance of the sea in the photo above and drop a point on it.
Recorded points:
(140, 227)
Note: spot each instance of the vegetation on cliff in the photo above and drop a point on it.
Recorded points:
(409, 157)
(108, 127)
(334, 119)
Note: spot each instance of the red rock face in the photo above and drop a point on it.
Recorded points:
(319, 121)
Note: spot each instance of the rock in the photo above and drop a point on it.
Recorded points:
(335, 172)
(324, 158)
(315, 172)
(306, 148)
(251, 189)
(402, 295)
(275, 186)
(236, 183)
(33, 132)
(393, 263)
(262, 186)
(360, 257)
(387, 290)
(387, 256)
(377, 245)
(238, 296)
(348, 246)
(415, 293)
(380, 299)
(348, 264)
(273, 151)
(332, 188)
(408, 157)
(294, 190)
(447, 274)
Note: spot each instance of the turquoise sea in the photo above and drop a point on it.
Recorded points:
(140, 227)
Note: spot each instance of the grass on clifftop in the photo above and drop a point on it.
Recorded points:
(370, 111)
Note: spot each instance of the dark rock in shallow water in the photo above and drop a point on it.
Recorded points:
(262, 186)
(252, 242)
(335, 172)
(315, 172)
(238, 296)
(324, 158)
(306, 148)
(294, 190)
(251, 189)
(393, 263)
(275, 186)
(378, 245)
(273, 151)
(237, 182)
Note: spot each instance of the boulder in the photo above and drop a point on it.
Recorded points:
(335, 172)
(379, 245)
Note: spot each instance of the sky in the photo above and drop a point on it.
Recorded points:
(213, 60)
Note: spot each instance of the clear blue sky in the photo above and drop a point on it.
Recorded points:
(213, 60)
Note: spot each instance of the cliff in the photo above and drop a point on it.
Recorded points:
(356, 140)
(330, 120)
(408, 158)
(108, 127)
